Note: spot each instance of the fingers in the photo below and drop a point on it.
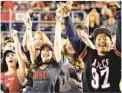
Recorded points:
(69, 2)
(27, 20)
(13, 33)
(58, 14)
(66, 8)
(58, 11)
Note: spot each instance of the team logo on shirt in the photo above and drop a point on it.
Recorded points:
(103, 72)
(40, 75)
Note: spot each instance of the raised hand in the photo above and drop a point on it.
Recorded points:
(59, 14)
(27, 21)
(85, 38)
(13, 33)
(66, 8)
(82, 34)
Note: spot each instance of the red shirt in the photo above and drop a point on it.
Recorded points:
(11, 81)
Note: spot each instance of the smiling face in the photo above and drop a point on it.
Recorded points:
(69, 49)
(11, 59)
(103, 44)
(37, 41)
(46, 54)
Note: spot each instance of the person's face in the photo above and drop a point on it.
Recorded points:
(37, 41)
(46, 54)
(103, 43)
(112, 5)
(11, 59)
(70, 49)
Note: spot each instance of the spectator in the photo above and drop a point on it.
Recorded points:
(40, 76)
(70, 77)
(13, 68)
(110, 23)
(93, 78)
(94, 20)
(37, 39)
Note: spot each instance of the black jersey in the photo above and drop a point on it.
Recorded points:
(102, 72)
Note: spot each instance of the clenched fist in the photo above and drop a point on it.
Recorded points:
(66, 8)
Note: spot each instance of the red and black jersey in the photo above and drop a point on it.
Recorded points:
(102, 72)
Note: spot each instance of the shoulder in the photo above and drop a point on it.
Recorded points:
(114, 52)
(54, 64)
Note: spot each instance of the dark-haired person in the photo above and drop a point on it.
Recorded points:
(32, 41)
(103, 65)
(13, 72)
(42, 77)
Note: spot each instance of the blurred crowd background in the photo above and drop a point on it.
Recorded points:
(91, 13)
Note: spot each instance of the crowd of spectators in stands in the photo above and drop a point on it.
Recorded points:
(91, 14)
(99, 13)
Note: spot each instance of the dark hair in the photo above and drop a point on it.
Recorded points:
(34, 67)
(82, 27)
(4, 66)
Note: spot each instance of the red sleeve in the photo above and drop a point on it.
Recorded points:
(84, 52)
(118, 53)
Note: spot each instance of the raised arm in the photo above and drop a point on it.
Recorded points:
(25, 42)
(21, 62)
(78, 45)
(30, 46)
(57, 41)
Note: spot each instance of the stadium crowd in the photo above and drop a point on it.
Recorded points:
(83, 54)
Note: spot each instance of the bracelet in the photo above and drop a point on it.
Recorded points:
(28, 29)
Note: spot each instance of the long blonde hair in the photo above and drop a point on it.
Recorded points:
(44, 37)
(76, 61)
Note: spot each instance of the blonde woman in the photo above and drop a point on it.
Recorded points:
(33, 42)
(72, 57)
(70, 77)
(43, 75)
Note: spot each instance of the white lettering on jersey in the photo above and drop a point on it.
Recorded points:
(104, 71)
